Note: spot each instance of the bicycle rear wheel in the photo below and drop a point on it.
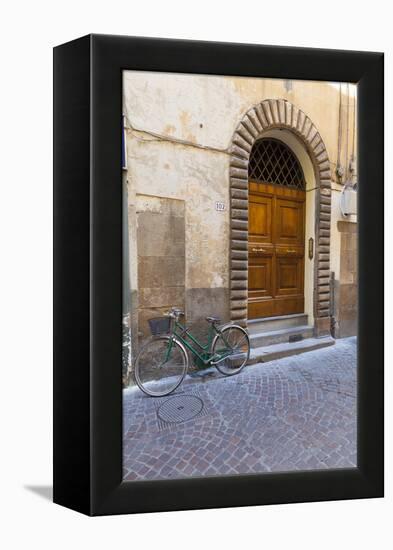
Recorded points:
(160, 366)
(231, 349)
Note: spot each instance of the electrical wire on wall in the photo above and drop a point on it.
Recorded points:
(339, 169)
(347, 143)
(352, 166)
(350, 184)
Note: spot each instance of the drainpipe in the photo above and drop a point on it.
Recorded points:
(126, 290)
(333, 321)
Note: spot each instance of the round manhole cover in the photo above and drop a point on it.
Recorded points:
(180, 408)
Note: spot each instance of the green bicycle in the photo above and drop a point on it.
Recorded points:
(163, 361)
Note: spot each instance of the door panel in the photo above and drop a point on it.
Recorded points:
(260, 219)
(275, 250)
(260, 254)
(260, 277)
(289, 222)
(289, 276)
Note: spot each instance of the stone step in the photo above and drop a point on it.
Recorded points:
(268, 338)
(277, 351)
(277, 323)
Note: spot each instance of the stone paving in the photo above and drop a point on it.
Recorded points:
(297, 413)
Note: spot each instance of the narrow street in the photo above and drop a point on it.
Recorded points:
(296, 413)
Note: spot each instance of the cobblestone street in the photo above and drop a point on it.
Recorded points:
(297, 413)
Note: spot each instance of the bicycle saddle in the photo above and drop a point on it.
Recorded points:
(213, 319)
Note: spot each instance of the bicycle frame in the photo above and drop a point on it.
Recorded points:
(204, 349)
(179, 340)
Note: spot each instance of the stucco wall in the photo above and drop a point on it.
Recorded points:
(179, 131)
(346, 282)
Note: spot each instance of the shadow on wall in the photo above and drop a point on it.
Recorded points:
(346, 286)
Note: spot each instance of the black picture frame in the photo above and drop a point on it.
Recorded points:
(88, 274)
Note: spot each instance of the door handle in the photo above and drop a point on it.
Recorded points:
(258, 250)
(288, 251)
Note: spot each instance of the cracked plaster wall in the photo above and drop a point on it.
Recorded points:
(179, 130)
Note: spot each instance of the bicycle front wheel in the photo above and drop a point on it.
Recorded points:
(231, 350)
(160, 366)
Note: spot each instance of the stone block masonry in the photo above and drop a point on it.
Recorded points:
(161, 258)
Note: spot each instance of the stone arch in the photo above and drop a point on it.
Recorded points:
(269, 114)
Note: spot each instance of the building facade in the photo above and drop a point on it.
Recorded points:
(240, 195)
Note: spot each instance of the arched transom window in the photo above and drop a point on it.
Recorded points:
(271, 161)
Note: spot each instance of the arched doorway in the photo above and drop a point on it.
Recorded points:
(276, 230)
(267, 116)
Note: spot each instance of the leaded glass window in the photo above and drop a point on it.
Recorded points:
(271, 161)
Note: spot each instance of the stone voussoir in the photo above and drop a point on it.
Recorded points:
(325, 174)
(245, 133)
(261, 116)
(238, 295)
(239, 254)
(274, 111)
(239, 224)
(324, 165)
(266, 109)
(237, 244)
(240, 173)
(281, 111)
(239, 193)
(239, 183)
(238, 314)
(255, 121)
(316, 140)
(324, 240)
(300, 122)
(250, 126)
(237, 151)
(238, 304)
(239, 284)
(306, 128)
(238, 162)
(288, 113)
(239, 203)
(242, 143)
(240, 214)
(239, 264)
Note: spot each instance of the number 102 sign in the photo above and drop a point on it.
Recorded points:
(220, 206)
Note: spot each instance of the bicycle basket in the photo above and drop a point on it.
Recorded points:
(160, 325)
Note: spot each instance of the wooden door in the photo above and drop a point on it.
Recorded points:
(275, 250)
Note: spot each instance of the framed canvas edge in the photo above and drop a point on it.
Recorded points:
(71, 275)
(107, 493)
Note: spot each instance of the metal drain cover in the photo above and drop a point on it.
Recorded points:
(180, 408)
